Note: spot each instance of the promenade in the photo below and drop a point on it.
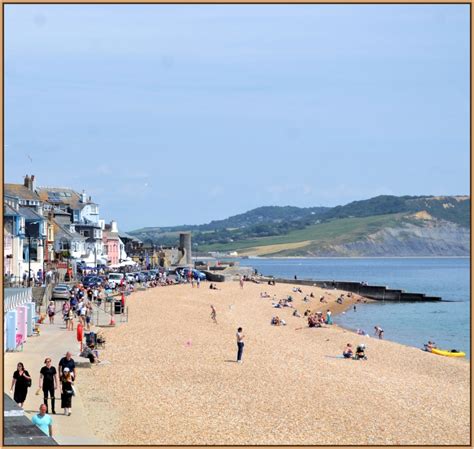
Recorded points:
(53, 342)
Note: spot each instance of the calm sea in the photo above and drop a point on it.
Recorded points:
(447, 322)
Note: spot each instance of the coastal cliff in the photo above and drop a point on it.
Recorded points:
(383, 226)
(435, 238)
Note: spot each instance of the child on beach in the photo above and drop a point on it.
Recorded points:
(240, 344)
(213, 314)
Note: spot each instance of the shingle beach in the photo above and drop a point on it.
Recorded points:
(173, 379)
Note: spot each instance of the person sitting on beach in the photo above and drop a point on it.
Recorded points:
(313, 321)
(360, 353)
(307, 312)
(264, 295)
(321, 299)
(299, 290)
(296, 313)
(289, 298)
(294, 289)
(430, 345)
(276, 305)
(339, 300)
(305, 299)
(348, 352)
(275, 321)
(91, 353)
(311, 295)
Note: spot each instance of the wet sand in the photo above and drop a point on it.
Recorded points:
(173, 379)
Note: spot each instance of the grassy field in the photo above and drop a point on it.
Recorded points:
(332, 232)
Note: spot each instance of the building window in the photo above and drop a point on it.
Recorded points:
(64, 245)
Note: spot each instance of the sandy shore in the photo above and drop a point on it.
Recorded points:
(172, 377)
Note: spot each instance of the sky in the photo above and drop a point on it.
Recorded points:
(183, 114)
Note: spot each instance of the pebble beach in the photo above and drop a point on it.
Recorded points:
(171, 377)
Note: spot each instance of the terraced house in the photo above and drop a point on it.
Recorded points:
(24, 229)
(44, 225)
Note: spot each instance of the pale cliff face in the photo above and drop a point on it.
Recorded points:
(428, 238)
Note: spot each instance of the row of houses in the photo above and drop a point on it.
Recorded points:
(51, 227)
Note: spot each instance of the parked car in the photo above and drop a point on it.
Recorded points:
(141, 277)
(146, 275)
(61, 292)
(116, 277)
(130, 277)
(92, 281)
(196, 273)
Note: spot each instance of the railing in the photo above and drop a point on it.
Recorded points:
(15, 297)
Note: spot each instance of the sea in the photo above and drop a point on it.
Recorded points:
(447, 322)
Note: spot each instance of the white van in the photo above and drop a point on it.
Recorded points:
(116, 277)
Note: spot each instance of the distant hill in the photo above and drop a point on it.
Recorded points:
(381, 226)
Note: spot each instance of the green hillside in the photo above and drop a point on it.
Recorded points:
(337, 230)
(292, 230)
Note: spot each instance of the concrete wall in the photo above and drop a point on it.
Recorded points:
(376, 292)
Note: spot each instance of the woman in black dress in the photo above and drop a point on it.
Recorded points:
(21, 381)
(66, 391)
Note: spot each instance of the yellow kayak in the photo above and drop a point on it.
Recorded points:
(447, 353)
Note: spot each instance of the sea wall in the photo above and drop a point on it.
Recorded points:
(377, 292)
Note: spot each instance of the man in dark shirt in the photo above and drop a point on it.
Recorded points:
(48, 383)
(67, 361)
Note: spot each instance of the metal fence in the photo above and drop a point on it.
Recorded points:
(15, 297)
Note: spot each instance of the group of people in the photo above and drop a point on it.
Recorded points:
(79, 306)
(31, 278)
(358, 354)
(50, 381)
(318, 319)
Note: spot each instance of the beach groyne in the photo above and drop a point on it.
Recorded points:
(376, 292)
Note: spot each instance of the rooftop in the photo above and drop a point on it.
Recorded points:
(20, 191)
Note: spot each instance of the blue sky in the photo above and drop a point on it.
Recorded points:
(181, 114)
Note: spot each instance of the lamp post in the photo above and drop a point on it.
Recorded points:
(28, 236)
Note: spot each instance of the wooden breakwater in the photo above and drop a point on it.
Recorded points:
(377, 292)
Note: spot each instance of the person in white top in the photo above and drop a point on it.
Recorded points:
(240, 344)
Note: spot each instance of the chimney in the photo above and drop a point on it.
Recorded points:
(26, 182)
(32, 183)
(113, 226)
(83, 196)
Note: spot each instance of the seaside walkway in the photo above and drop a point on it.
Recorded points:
(53, 342)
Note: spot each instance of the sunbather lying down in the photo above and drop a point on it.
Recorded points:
(277, 321)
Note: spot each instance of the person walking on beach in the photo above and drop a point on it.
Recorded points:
(240, 344)
(241, 282)
(51, 312)
(67, 391)
(20, 383)
(48, 382)
(43, 421)
(213, 314)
